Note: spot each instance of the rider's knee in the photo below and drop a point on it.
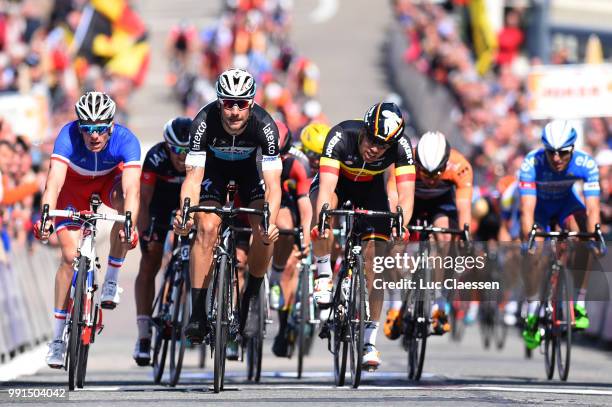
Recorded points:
(207, 232)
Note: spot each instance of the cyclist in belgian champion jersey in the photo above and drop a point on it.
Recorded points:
(225, 138)
(355, 156)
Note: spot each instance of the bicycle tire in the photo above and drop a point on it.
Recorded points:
(82, 368)
(341, 346)
(179, 313)
(563, 323)
(76, 323)
(304, 317)
(221, 324)
(500, 331)
(202, 357)
(160, 341)
(421, 329)
(356, 320)
(255, 343)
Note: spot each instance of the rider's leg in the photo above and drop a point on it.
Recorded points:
(116, 255)
(439, 310)
(282, 250)
(144, 287)
(321, 250)
(258, 266)
(376, 296)
(63, 278)
(580, 265)
(200, 263)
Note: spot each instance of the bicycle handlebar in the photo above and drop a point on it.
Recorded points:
(85, 216)
(565, 234)
(226, 212)
(396, 217)
(463, 233)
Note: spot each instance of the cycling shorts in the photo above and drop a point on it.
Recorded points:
(557, 211)
(434, 208)
(75, 195)
(370, 195)
(218, 173)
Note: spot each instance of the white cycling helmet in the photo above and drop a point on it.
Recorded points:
(558, 134)
(95, 106)
(432, 152)
(236, 84)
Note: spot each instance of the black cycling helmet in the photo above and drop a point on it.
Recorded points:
(384, 123)
(176, 131)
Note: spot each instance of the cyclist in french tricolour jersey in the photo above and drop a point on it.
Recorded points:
(91, 155)
(547, 185)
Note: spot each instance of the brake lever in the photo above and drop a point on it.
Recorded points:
(323, 219)
(186, 204)
(266, 218)
(127, 226)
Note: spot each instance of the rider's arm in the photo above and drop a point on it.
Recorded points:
(405, 181)
(591, 190)
(130, 182)
(305, 210)
(329, 170)
(464, 181)
(528, 194)
(300, 172)
(528, 204)
(272, 180)
(55, 181)
(195, 162)
(593, 212)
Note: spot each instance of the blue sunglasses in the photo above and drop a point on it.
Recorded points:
(178, 150)
(95, 128)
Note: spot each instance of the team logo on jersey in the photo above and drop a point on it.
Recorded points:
(391, 121)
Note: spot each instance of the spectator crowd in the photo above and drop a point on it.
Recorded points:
(492, 107)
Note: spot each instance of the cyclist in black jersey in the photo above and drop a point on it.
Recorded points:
(226, 138)
(160, 186)
(355, 156)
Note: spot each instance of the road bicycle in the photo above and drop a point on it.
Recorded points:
(555, 313)
(223, 312)
(416, 308)
(84, 319)
(350, 307)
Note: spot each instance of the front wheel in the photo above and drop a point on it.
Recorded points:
(357, 317)
(563, 323)
(179, 311)
(255, 344)
(221, 323)
(304, 316)
(75, 344)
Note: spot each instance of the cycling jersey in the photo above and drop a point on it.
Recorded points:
(158, 171)
(538, 178)
(457, 176)
(90, 172)
(296, 176)
(207, 136)
(233, 157)
(557, 192)
(341, 155)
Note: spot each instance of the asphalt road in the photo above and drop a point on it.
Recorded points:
(346, 43)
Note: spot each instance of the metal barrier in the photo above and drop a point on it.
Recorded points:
(26, 299)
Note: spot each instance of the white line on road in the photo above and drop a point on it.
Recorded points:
(23, 365)
(324, 11)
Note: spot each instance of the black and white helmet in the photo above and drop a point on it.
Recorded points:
(95, 106)
(176, 131)
(384, 123)
(236, 84)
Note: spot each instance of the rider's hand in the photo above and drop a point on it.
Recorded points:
(133, 241)
(301, 254)
(314, 233)
(40, 234)
(271, 236)
(178, 218)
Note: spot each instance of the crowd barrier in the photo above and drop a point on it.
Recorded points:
(26, 299)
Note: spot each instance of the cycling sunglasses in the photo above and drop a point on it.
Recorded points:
(241, 103)
(563, 153)
(95, 128)
(429, 175)
(178, 150)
